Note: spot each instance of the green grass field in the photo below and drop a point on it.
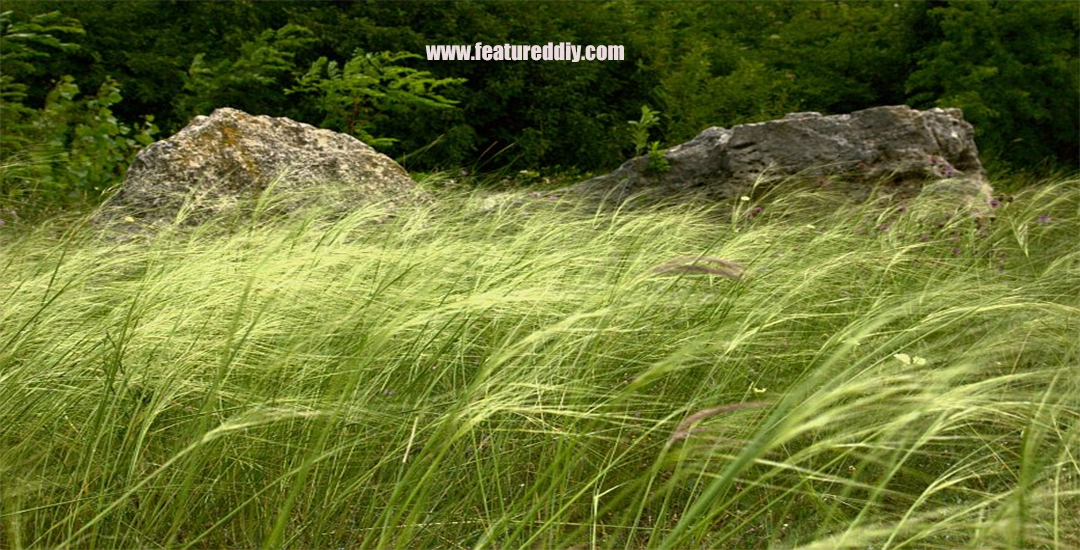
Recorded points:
(878, 377)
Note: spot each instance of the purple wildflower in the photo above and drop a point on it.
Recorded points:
(1043, 219)
(994, 203)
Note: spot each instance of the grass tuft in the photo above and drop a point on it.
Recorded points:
(457, 375)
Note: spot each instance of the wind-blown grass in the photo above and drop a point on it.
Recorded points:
(524, 378)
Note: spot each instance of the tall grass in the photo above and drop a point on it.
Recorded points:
(852, 377)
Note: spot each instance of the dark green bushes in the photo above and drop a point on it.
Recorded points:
(1012, 67)
(73, 147)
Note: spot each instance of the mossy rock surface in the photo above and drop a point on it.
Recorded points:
(231, 156)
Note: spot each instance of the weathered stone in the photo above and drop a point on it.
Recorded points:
(894, 144)
(229, 156)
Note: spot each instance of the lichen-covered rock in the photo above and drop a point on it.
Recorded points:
(230, 156)
(893, 144)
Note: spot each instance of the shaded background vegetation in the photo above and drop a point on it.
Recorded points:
(79, 84)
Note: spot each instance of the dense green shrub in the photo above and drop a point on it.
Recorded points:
(368, 87)
(23, 44)
(251, 81)
(1012, 67)
(72, 148)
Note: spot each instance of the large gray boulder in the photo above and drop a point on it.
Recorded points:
(220, 160)
(913, 150)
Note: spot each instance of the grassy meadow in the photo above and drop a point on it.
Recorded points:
(547, 376)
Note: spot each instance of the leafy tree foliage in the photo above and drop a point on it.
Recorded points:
(1012, 66)
(88, 147)
(22, 44)
(368, 86)
(251, 82)
(71, 147)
